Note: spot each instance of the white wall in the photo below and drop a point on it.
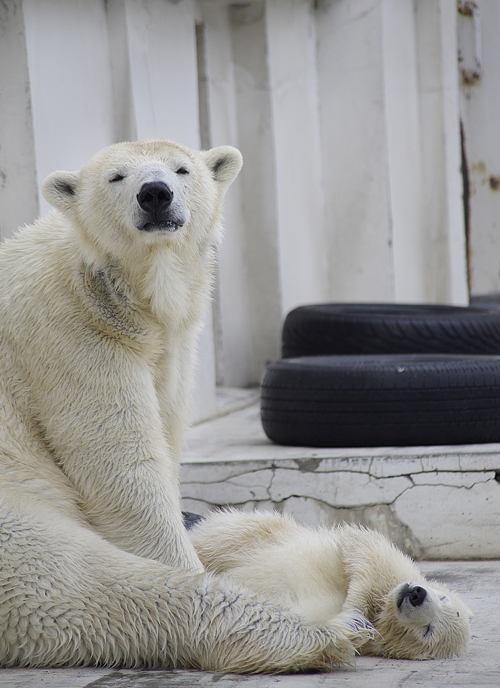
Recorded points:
(479, 107)
(18, 183)
(391, 150)
(442, 183)
(347, 114)
(71, 83)
(232, 321)
(303, 266)
(355, 154)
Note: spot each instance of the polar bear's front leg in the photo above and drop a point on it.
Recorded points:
(108, 438)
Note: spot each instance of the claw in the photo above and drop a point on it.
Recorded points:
(356, 627)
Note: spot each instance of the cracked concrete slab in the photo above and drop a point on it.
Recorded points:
(340, 488)
(433, 502)
(453, 522)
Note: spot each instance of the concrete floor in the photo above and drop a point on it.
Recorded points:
(237, 437)
(477, 581)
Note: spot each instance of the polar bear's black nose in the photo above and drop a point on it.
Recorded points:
(154, 197)
(417, 595)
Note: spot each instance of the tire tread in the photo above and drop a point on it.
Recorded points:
(405, 400)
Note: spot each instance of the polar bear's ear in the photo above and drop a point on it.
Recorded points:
(59, 189)
(224, 162)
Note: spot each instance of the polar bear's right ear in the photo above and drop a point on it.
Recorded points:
(59, 189)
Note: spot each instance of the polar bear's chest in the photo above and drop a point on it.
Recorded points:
(177, 286)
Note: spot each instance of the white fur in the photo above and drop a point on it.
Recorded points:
(330, 575)
(98, 321)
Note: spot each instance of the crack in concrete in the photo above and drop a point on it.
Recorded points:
(395, 475)
(315, 498)
(308, 467)
(273, 476)
(458, 487)
(280, 502)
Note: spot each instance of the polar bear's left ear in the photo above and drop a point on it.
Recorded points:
(224, 162)
(59, 189)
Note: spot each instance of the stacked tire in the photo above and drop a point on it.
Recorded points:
(356, 375)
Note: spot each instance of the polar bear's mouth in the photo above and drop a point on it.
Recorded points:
(166, 226)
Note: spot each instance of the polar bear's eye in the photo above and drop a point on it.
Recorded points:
(117, 177)
(182, 170)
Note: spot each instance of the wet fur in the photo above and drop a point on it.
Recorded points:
(98, 324)
(327, 575)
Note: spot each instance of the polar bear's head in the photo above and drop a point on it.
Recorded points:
(134, 196)
(419, 621)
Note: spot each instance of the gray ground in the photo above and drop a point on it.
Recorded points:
(477, 581)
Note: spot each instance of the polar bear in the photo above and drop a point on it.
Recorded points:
(100, 303)
(326, 575)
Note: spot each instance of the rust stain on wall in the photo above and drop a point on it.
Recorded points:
(495, 182)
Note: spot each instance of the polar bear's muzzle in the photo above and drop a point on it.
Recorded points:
(416, 604)
(414, 594)
(158, 210)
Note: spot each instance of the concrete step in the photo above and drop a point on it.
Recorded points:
(432, 502)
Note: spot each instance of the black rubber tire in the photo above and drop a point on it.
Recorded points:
(382, 400)
(343, 328)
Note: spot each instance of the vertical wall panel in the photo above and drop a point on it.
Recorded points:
(442, 210)
(124, 111)
(18, 188)
(256, 141)
(457, 275)
(400, 96)
(291, 39)
(71, 82)
(234, 328)
(163, 69)
(480, 106)
(355, 156)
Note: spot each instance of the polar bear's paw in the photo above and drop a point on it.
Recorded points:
(355, 626)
